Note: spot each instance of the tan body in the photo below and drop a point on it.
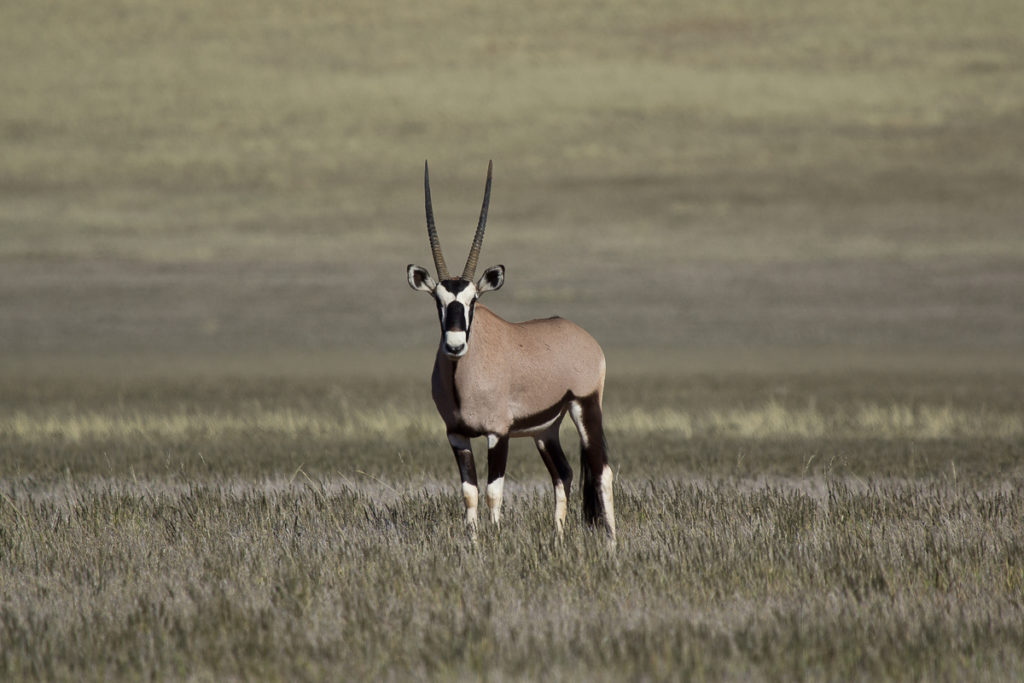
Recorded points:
(515, 376)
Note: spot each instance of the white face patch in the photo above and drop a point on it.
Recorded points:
(443, 295)
(455, 340)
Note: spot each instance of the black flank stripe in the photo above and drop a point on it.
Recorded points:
(541, 417)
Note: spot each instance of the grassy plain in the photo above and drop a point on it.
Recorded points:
(795, 227)
(772, 527)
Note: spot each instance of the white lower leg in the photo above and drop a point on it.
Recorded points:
(560, 507)
(608, 502)
(470, 495)
(494, 493)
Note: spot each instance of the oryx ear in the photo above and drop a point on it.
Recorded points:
(492, 279)
(420, 280)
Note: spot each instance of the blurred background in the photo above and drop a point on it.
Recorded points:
(208, 180)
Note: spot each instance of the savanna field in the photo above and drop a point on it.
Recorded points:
(770, 527)
(794, 229)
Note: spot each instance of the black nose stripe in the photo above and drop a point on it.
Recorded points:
(455, 317)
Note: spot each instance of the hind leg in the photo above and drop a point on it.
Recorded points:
(598, 502)
(558, 467)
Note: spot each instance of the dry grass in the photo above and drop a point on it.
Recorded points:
(319, 578)
(391, 424)
(308, 527)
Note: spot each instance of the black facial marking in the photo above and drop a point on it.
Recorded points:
(455, 318)
(454, 286)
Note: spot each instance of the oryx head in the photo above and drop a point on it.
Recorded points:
(455, 296)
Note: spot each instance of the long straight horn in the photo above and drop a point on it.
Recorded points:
(435, 244)
(478, 239)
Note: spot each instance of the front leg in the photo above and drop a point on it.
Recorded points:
(467, 471)
(497, 456)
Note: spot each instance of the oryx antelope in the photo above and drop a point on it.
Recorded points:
(499, 379)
